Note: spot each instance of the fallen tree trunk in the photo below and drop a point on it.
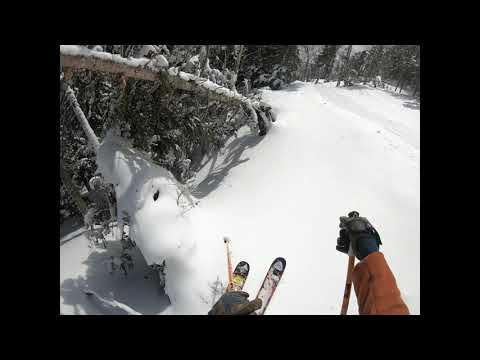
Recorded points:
(79, 57)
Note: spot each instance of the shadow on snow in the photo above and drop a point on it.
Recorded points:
(141, 294)
(410, 101)
(217, 173)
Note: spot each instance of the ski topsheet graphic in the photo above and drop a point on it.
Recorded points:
(270, 283)
(240, 275)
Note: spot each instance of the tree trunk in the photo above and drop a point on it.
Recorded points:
(305, 76)
(328, 70)
(416, 88)
(66, 176)
(285, 55)
(237, 68)
(92, 138)
(72, 56)
(225, 60)
(239, 58)
(398, 83)
(345, 66)
(205, 51)
(402, 83)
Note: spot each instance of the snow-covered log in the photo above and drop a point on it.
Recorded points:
(79, 57)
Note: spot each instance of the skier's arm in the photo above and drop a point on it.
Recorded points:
(376, 288)
(373, 281)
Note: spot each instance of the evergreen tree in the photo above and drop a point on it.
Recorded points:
(357, 64)
(272, 65)
(373, 62)
(402, 65)
(326, 59)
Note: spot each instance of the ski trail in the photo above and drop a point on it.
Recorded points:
(320, 160)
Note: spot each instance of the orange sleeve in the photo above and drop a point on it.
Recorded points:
(376, 288)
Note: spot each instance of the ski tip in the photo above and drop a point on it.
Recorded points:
(282, 261)
(242, 265)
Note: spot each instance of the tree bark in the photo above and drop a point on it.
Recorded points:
(140, 69)
(305, 75)
(345, 66)
(328, 69)
(416, 88)
(225, 61)
(237, 63)
(92, 138)
(237, 69)
(402, 82)
(206, 50)
(398, 83)
(66, 176)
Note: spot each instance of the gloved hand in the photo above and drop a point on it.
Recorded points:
(235, 303)
(358, 236)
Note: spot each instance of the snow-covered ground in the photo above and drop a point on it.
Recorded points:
(83, 268)
(331, 150)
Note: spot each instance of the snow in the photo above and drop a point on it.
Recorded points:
(330, 151)
(84, 269)
(136, 180)
(76, 50)
(325, 156)
(144, 50)
(158, 62)
(194, 59)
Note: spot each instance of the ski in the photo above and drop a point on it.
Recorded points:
(270, 283)
(240, 275)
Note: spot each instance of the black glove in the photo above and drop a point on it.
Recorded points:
(235, 303)
(360, 234)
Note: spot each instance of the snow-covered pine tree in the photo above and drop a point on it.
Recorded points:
(269, 65)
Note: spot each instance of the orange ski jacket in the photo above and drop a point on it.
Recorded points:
(376, 288)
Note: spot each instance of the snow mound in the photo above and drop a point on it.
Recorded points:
(149, 194)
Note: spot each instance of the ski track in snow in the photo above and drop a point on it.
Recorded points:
(319, 161)
(331, 150)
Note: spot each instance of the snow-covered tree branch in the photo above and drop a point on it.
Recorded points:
(156, 69)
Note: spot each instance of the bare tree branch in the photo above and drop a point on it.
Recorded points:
(92, 138)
